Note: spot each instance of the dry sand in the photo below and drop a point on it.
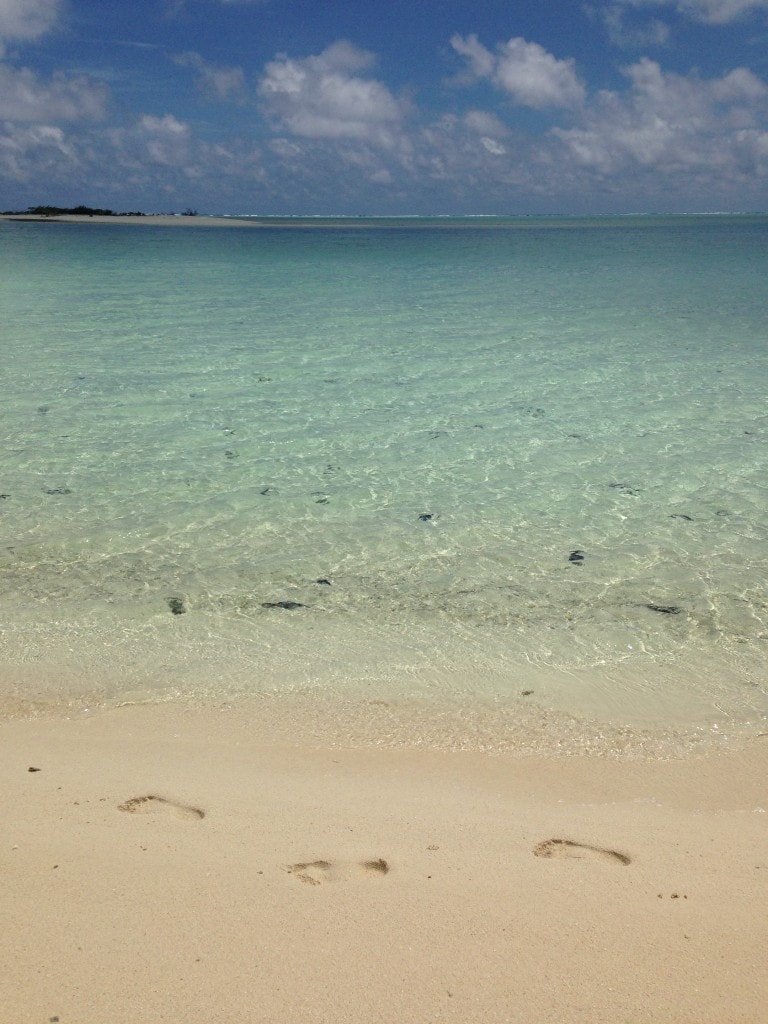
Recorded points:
(170, 864)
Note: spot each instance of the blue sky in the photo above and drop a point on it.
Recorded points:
(370, 107)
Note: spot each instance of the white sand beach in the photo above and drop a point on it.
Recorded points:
(164, 863)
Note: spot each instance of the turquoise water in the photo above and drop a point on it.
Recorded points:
(523, 455)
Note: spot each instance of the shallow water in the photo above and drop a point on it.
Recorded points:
(524, 456)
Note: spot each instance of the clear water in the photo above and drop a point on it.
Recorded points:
(216, 419)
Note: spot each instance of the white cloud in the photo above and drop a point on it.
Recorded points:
(165, 149)
(151, 143)
(154, 156)
(220, 83)
(535, 78)
(484, 123)
(531, 75)
(719, 12)
(492, 146)
(752, 149)
(663, 135)
(481, 61)
(671, 123)
(35, 152)
(165, 139)
(714, 12)
(489, 130)
(27, 19)
(322, 97)
(737, 86)
(465, 156)
(24, 97)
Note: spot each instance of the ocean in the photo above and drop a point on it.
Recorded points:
(502, 471)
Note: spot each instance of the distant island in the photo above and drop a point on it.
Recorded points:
(77, 211)
(86, 215)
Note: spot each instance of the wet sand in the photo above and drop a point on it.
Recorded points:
(170, 863)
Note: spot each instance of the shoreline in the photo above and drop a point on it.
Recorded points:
(519, 725)
(149, 219)
(160, 856)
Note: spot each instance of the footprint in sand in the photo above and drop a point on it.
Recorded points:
(154, 804)
(316, 872)
(570, 849)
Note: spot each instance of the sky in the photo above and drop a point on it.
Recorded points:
(365, 107)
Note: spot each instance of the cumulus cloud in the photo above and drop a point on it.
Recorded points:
(164, 148)
(325, 97)
(26, 19)
(531, 75)
(165, 139)
(752, 150)
(662, 135)
(217, 82)
(25, 97)
(669, 122)
(489, 129)
(35, 151)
